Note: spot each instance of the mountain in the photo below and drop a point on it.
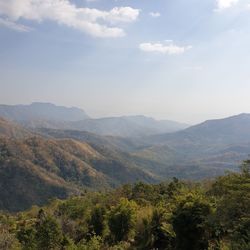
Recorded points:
(50, 116)
(215, 145)
(127, 126)
(124, 126)
(114, 143)
(204, 150)
(234, 129)
(34, 169)
(36, 112)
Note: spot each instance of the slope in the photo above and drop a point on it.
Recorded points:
(34, 169)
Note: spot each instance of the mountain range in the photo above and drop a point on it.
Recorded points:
(38, 163)
(46, 115)
(215, 144)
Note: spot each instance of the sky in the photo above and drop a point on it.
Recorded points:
(184, 60)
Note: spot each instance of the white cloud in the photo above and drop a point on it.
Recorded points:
(169, 48)
(14, 26)
(123, 14)
(92, 21)
(155, 14)
(223, 4)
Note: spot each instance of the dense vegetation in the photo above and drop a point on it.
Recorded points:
(176, 215)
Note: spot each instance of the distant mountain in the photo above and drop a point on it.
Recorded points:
(220, 144)
(234, 129)
(46, 115)
(42, 112)
(124, 126)
(127, 126)
(34, 169)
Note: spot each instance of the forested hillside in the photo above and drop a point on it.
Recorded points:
(168, 216)
(34, 169)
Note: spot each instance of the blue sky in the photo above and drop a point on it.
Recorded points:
(186, 60)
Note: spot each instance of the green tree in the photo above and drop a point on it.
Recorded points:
(157, 232)
(122, 219)
(233, 207)
(48, 233)
(241, 235)
(26, 236)
(95, 243)
(189, 223)
(97, 221)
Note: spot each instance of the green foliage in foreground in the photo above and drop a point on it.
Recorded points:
(211, 215)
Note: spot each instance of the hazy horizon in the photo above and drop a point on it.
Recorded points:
(124, 115)
(178, 60)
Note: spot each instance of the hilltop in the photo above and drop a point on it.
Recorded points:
(38, 111)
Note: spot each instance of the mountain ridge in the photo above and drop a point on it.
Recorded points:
(231, 129)
(47, 115)
(41, 111)
(219, 144)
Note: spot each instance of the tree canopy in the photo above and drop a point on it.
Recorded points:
(176, 215)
